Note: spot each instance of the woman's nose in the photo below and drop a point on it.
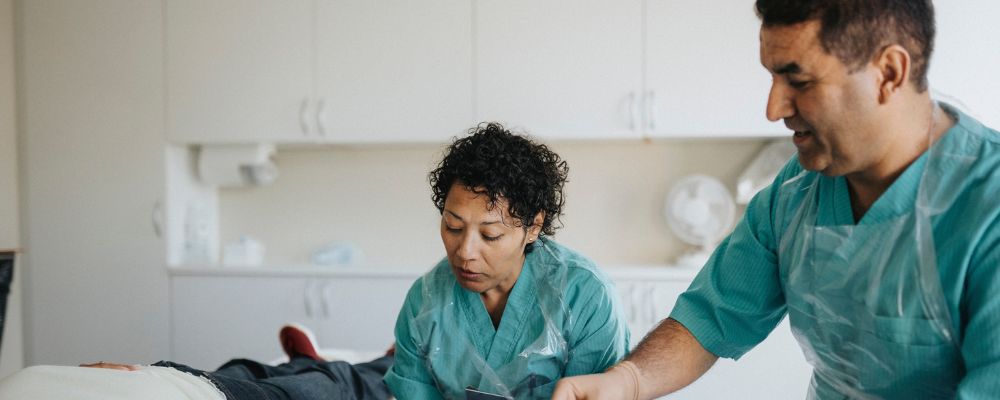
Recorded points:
(468, 248)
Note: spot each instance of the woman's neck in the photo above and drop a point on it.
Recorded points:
(495, 300)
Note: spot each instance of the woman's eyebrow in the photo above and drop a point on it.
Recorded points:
(453, 215)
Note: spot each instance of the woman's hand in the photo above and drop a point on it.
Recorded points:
(120, 367)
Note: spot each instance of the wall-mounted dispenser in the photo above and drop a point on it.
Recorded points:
(233, 165)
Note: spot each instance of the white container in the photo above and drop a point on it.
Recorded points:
(245, 252)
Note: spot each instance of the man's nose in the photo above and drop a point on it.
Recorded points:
(779, 103)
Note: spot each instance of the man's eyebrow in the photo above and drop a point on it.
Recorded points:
(790, 68)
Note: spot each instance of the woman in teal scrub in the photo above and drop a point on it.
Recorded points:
(509, 311)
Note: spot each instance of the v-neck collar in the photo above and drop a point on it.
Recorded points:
(503, 338)
(897, 200)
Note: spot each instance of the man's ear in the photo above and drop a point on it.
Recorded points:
(893, 64)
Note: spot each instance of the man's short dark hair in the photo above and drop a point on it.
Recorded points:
(499, 164)
(856, 30)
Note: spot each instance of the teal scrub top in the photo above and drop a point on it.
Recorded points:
(561, 319)
(740, 295)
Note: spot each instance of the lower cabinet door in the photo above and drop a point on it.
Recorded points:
(217, 318)
(359, 317)
(775, 369)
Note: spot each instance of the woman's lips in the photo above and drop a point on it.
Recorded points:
(467, 275)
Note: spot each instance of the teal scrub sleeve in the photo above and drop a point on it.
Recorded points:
(408, 377)
(736, 299)
(980, 316)
(599, 336)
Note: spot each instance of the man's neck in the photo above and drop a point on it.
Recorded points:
(923, 126)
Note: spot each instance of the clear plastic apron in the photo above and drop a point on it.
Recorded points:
(529, 374)
(865, 301)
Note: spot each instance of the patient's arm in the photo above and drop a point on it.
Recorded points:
(102, 364)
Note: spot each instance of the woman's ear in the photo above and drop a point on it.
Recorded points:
(893, 65)
(536, 226)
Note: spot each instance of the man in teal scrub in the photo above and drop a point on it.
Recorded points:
(880, 240)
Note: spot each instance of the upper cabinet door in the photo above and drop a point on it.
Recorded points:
(964, 65)
(393, 70)
(561, 68)
(704, 77)
(239, 70)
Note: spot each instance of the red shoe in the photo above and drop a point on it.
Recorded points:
(298, 341)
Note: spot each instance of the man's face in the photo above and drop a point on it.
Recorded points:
(831, 110)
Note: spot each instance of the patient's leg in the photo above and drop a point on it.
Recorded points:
(300, 379)
(249, 369)
(305, 377)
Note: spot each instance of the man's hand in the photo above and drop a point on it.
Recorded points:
(616, 384)
(120, 367)
(667, 360)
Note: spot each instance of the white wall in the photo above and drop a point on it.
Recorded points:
(379, 198)
(91, 121)
(8, 128)
(11, 350)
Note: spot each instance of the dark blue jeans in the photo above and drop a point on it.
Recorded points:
(299, 379)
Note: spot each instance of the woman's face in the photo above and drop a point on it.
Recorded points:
(485, 245)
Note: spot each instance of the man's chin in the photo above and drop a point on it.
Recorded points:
(823, 168)
(814, 163)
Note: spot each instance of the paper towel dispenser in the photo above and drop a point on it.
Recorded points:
(235, 165)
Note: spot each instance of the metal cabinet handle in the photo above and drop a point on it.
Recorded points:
(307, 299)
(157, 218)
(653, 308)
(320, 113)
(325, 300)
(632, 111)
(651, 109)
(304, 116)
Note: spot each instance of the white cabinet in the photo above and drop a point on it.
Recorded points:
(91, 87)
(965, 62)
(217, 318)
(239, 71)
(394, 70)
(703, 71)
(356, 71)
(775, 369)
(561, 68)
(342, 71)
(622, 69)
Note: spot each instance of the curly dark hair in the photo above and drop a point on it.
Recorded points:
(855, 30)
(502, 165)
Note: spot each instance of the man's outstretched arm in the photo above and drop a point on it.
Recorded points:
(667, 360)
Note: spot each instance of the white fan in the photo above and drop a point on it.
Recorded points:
(700, 211)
